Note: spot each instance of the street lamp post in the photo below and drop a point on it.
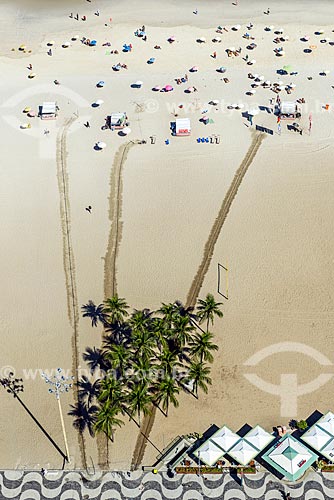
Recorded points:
(14, 386)
(58, 385)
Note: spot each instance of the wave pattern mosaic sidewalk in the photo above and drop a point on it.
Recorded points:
(145, 486)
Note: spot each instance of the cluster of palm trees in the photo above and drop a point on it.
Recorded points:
(147, 358)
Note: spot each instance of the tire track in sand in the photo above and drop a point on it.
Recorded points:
(196, 285)
(114, 239)
(68, 259)
(221, 217)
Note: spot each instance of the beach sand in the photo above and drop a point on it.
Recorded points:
(277, 239)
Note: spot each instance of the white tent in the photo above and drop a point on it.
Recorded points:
(182, 126)
(243, 452)
(316, 437)
(327, 422)
(209, 453)
(225, 438)
(288, 108)
(328, 450)
(290, 457)
(48, 110)
(259, 438)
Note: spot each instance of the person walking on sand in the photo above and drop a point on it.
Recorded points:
(214, 55)
(268, 11)
(89, 209)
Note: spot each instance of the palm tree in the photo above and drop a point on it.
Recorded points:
(207, 310)
(168, 362)
(165, 392)
(199, 375)
(107, 420)
(95, 313)
(95, 359)
(116, 309)
(182, 330)
(119, 357)
(120, 333)
(201, 346)
(139, 399)
(140, 320)
(187, 312)
(84, 416)
(143, 343)
(88, 390)
(110, 390)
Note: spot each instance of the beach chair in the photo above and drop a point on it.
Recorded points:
(217, 139)
(226, 80)
(153, 139)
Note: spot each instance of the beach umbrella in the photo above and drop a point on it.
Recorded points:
(168, 88)
(190, 89)
(252, 92)
(280, 30)
(256, 76)
(74, 38)
(93, 43)
(236, 27)
(240, 106)
(214, 102)
(157, 88)
(101, 145)
(217, 39)
(287, 68)
(251, 62)
(139, 83)
(202, 39)
(320, 32)
(65, 45)
(101, 83)
(261, 77)
(27, 109)
(194, 69)
(52, 42)
(32, 75)
(234, 106)
(222, 69)
(22, 47)
(126, 131)
(326, 71)
(232, 49)
(31, 114)
(171, 39)
(98, 102)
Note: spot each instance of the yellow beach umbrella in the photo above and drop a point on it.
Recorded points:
(32, 75)
(22, 47)
(27, 109)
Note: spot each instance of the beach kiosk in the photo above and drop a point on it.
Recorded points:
(182, 127)
(117, 121)
(289, 110)
(48, 111)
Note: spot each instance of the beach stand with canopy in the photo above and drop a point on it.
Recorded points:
(319, 440)
(100, 84)
(182, 127)
(48, 111)
(289, 110)
(101, 145)
(117, 121)
(289, 457)
(209, 453)
(243, 452)
(225, 438)
(259, 438)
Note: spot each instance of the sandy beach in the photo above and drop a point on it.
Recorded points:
(275, 235)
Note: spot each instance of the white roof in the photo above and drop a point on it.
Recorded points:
(243, 452)
(225, 438)
(289, 454)
(288, 107)
(316, 437)
(327, 422)
(182, 124)
(116, 117)
(328, 450)
(259, 438)
(209, 453)
(49, 107)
